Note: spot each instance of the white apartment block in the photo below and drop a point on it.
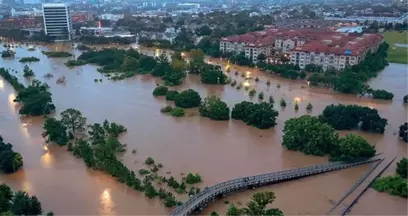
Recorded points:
(57, 21)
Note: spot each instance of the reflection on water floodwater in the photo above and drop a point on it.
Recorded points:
(217, 150)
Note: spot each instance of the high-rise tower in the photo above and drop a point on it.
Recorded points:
(57, 21)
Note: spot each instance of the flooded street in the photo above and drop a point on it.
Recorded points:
(218, 151)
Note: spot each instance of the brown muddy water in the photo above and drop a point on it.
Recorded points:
(219, 151)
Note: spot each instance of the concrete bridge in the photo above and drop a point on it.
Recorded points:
(202, 199)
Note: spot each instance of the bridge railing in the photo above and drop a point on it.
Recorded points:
(214, 189)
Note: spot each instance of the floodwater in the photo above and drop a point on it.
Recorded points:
(218, 151)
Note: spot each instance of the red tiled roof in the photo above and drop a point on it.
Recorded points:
(317, 40)
(353, 45)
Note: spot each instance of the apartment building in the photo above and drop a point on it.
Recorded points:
(57, 21)
(337, 53)
(305, 46)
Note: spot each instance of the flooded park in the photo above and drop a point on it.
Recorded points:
(218, 151)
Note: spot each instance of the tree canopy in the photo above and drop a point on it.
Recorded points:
(188, 99)
(10, 161)
(309, 135)
(73, 119)
(127, 63)
(402, 167)
(160, 91)
(55, 131)
(403, 132)
(99, 149)
(261, 115)
(351, 147)
(212, 74)
(257, 206)
(214, 109)
(346, 117)
(36, 99)
(18, 203)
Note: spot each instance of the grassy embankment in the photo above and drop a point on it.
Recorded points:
(397, 54)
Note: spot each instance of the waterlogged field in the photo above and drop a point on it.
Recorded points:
(398, 51)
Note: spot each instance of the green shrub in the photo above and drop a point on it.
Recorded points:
(29, 59)
(177, 112)
(57, 54)
(144, 171)
(160, 91)
(402, 166)
(73, 63)
(166, 109)
(188, 99)
(171, 95)
(193, 179)
(252, 92)
(149, 161)
(282, 102)
(261, 96)
(271, 100)
(214, 109)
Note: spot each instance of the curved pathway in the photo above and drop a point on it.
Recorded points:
(209, 194)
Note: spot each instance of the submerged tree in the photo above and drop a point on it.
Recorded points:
(36, 99)
(307, 134)
(73, 119)
(55, 131)
(403, 132)
(188, 99)
(352, 147)
(257, 206)
(214, 109)
(402, 167)
(10, 161)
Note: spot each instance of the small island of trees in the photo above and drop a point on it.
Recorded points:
(28, 72)
(261, 115)
(405, 99)
(347, 117)
(313, 137)
(188, 99)
(7, 54)
(403, 132)
(73, 63)
(214, 109)
(29, 59)
(56, 54)
(160, 91)
(35, 99)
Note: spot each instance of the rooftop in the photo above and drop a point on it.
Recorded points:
(54, 5)
(315, 40)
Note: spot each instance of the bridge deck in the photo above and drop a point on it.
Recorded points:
(209, 194)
